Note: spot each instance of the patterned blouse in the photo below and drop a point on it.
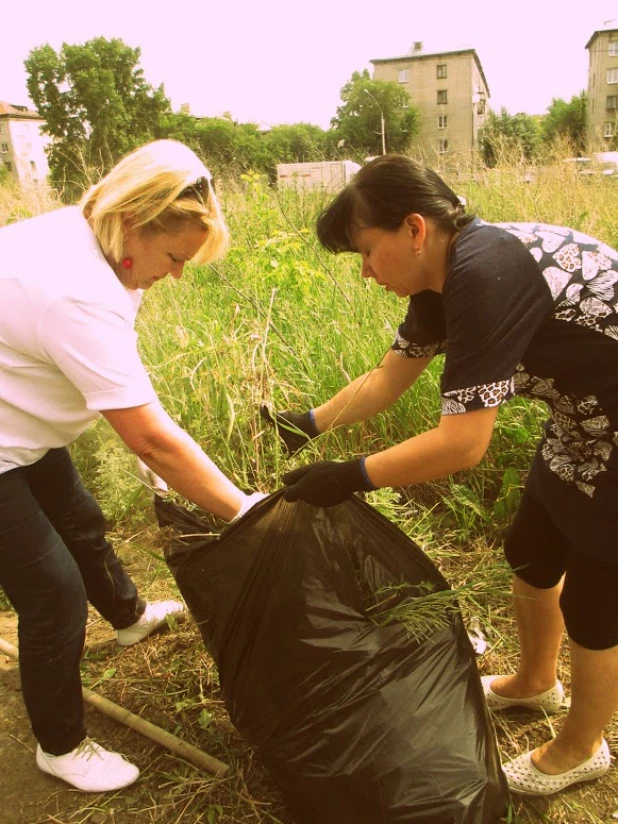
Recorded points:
(532, 310)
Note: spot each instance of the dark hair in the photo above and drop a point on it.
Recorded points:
(382, 194)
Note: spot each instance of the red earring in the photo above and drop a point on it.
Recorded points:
(127, 263)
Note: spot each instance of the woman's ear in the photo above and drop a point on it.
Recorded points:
(417, 226)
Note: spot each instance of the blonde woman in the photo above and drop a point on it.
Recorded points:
(70, 285)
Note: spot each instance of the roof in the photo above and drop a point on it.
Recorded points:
(605, 29)
(18, 111)
(422, 55)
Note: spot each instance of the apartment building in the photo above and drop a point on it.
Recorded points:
(602, 112)
(22, 144)
(450, 91)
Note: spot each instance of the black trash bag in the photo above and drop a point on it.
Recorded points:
(357, 723)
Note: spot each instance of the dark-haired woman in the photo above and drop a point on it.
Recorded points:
(524, 309)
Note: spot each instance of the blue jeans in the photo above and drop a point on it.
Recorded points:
(54, 558)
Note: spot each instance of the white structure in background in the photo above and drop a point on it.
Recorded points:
(331, 175)
(22, 144)
(598, 163)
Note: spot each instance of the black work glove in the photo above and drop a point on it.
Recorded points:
(295, 429)
(327, 483)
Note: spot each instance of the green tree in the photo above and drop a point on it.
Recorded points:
(295, 143)
(97, 107)
(510, 136)
(180, 126)
(367, 105)
(227, 147)
(566, 122)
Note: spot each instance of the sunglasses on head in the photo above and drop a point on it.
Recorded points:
(199, 189)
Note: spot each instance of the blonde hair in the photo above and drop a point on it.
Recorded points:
(146, 191)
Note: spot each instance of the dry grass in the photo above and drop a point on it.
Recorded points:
(519, 730)
(20, 202)
(171, 681)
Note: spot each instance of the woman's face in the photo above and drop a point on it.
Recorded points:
(155, 256)
(391, 258)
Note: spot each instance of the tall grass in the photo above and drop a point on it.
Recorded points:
(21, 202)
(281, 322)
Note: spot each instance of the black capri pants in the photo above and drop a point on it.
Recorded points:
(540, 554)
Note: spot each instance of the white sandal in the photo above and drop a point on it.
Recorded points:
(524, 778)
(549, 701)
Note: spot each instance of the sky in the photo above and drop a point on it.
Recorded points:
(280, 61)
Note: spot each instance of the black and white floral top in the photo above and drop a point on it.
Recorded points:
(531, 309)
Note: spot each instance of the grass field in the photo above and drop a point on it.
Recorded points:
(281, 322)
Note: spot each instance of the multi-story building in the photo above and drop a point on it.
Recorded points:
(450, 91)
(22, 144)
(602, 111)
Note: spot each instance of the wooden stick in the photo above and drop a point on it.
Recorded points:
(162, 737)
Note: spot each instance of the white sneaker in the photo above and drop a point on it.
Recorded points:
(89, 767)
(155, 616)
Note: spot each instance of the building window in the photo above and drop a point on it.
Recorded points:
(4, 147)
(441, 71)
(442, 121)
(442, 96)
(442, 146)
(9, 167)
(594, 80)
(480, 106)
(609, 129)
(611, 101)
(403, 75)
(1, 128)
(612, 75)
(613, 49)
(33, 165)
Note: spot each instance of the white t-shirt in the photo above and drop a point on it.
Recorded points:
(68, 348)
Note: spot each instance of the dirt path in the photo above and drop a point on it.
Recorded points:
(170, 791)
(27, 795)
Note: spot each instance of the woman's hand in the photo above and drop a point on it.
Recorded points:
(150, 478)
(327, 483)
(247, 502)
(295, 429)
(173, 455)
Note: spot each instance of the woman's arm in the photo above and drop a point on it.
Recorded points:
(370, 393)
(170, 452)
(458, 442)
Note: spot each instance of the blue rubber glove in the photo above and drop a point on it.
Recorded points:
(327, 483)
